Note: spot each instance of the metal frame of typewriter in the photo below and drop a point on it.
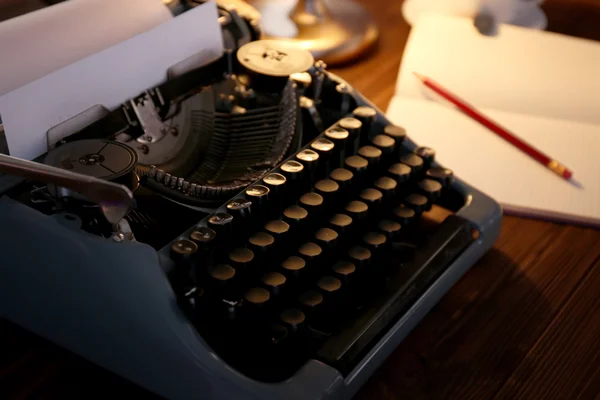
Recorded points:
(112, 304)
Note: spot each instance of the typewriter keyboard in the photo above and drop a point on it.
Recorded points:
(320, 256)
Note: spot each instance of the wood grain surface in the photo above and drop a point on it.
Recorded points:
(523, 323)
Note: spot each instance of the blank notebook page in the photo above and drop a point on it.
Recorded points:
(492, 165)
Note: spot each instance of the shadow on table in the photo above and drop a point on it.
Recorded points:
(471, 341)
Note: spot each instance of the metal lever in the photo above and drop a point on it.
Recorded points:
(114, 199)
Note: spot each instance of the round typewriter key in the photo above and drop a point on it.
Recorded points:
(220, 280)
(274, 282)
(400, 172)
(182, 251)
(372, 155)
(373, 198)
(339, 137)
(277, 228)
(260, 243)
(353, 126)
(276, 184)
(203, 236)
(295, 216)
(417, 202)
(396, 132)
(340, 223)
(322, 146)
(391, 229)
(292, 170)
(241, 258)
(442, 175)
(387, 186)
(430, 189)
(366, 115)
(310, 251)
(344, 271)
(404, 215)
(240, 209)
(387, 146)
(343, 178)
(258, 194)
(308, 157)
(427, 154)
(359, 256)
(311, 302)
(358, 166)
(313, 203)
(293, 318)
(256, 298)
(293, 267)
(329, 284)
(221, 283)
(358, 211)
(413, 161)
(221, 223)
(326, 238)
(374, 241)
(329, 190)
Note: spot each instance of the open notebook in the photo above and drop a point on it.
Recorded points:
(543, 87)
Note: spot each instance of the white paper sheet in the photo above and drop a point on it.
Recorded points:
(108, 78)
(37, 43)
(521, 70)
(492, 165)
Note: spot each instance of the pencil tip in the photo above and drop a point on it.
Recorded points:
(421, 77)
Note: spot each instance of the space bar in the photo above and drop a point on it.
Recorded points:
(411, 280)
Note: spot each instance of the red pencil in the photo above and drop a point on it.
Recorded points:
(528, 149)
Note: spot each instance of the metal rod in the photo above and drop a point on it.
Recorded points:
(114, 199)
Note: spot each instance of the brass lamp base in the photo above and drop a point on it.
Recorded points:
(335, 31)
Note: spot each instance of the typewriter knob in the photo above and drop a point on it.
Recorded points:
(273, 59)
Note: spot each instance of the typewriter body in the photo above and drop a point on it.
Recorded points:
(281, 241)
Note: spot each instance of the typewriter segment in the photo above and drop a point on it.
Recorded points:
(318, 257)
(292, 220)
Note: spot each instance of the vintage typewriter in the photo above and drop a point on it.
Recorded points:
(251, 228)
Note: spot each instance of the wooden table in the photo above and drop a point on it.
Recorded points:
(522, 323)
